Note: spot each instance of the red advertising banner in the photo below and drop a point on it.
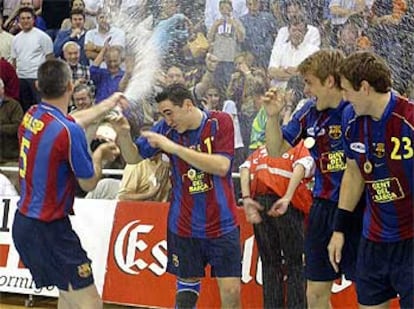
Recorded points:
(137, 261)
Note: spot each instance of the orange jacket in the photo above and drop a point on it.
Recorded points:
(272, 175)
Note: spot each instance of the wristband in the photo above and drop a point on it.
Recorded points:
(343, 220)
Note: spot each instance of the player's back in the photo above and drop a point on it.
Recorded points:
(46, 179)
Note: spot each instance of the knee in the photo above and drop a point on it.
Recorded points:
(317, 298)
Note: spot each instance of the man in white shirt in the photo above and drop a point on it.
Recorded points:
(312, 36)
(289, 55)
(95, 38)
(30, 48)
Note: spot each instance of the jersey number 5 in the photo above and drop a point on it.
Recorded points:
(407, 149)
(23, 156)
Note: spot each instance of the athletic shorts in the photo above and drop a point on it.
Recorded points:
(317, 237)
(52, 252)
(188, 257)
(385, 270)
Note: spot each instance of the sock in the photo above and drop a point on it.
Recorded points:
(187, 294)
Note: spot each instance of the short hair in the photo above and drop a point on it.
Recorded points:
(71, 43)
(226, 1)
(81, 87)
(27, 10)
(176, 93)
(322, 64)
(77, 12)
(53, 77)
(367, 66)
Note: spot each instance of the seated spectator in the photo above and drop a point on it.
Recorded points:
(95, 39)
(288, 56)
(147, 180)
(75, 34)
(11, 81)
(107, 80)
(12, 24)
(11, 114)
(80, 72)
(5, 42)
(82, 98)
(295, 11)
(76, 6)
(6, 187)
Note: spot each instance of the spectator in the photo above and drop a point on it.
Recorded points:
(261, 32)
(295, 11)
(5, 42)
(76, 6)
(11, 81)
(30, 48)
(225, 36)
(285, 58)
(80, 72)
(96, 38)
(9, 6)
(212, 11)
(12, 24)
(147, 180)
(75, 34)
(107, 80)
(11, 114)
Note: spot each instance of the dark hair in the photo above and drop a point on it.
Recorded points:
(77, 12)
(27, 10)
(367, 66)
(176, 93)
(53, 77)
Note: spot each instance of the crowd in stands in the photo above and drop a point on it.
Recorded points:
(227, 52)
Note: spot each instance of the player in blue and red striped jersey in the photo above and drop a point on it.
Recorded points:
(318, 123)
(378, 131)
(53, 156)
(202, 223)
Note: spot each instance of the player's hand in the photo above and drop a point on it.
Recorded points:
(109, 151)
(279, 208)
(273, 102)
(160, 141)
(335, 249)
(251, 210)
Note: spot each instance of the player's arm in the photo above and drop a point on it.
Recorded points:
(352, 187)
(105, 152)
(86, 117)
(251, 207)
(215, 164)
(275, 143)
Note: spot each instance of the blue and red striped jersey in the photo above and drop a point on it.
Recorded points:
(328, 152)
(387, 144)
(53, 153)
(202, 205)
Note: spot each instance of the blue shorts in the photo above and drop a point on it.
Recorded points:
(317, 237)
(188, 257)
(385, 270)
(52, 252)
